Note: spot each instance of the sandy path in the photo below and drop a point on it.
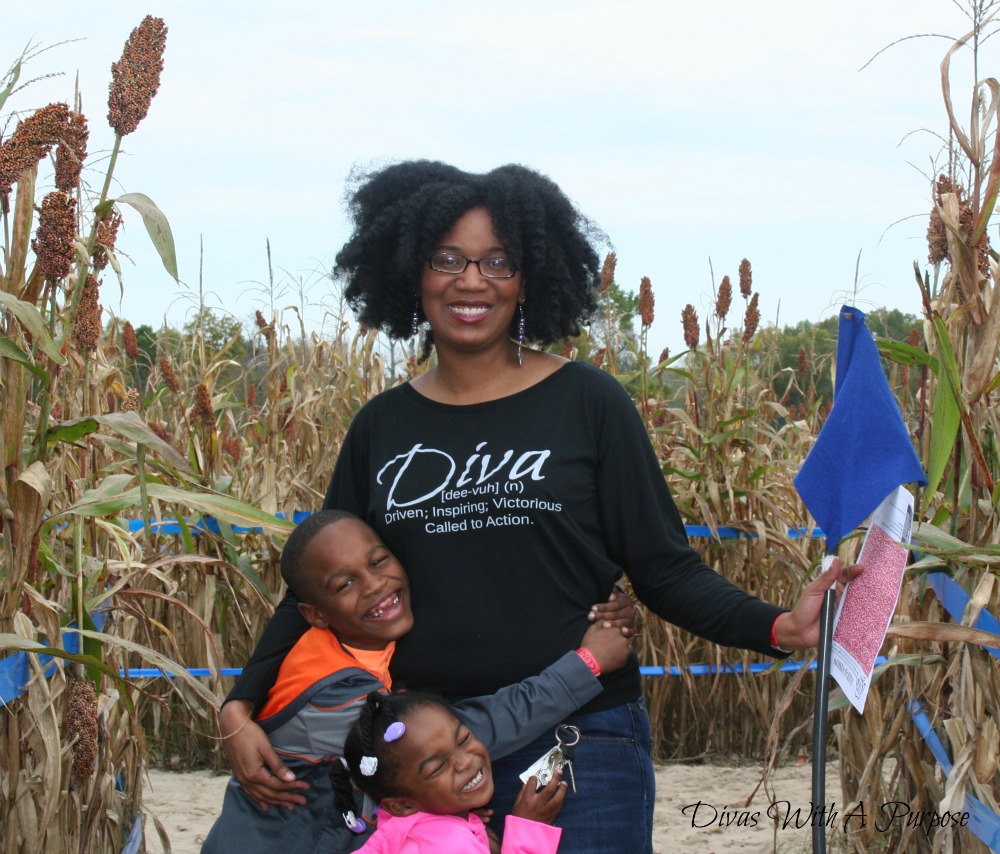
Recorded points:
(188, 802)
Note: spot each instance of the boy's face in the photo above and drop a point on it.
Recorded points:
(357, 588)
(444, 768)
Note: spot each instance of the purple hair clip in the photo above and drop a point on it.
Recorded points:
(394, 730)
(354, 824)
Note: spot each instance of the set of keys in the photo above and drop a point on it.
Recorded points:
(560, 756)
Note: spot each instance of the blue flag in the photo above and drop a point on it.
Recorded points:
(864, 450)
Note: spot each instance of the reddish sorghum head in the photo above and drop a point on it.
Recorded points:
(80, 726)
(724, 298)
(608, 270)
(746, 278)
(32, 139)
(130, 341)
(646, 301)
(87, 323)
(751, 321)
(135, 78)
(692, 332)
(203, 411)
(71, 152)
(169, 374)
(107, 236)
(53, 241)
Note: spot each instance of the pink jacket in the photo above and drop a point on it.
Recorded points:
(424, 833)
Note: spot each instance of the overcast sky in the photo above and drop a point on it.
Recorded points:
(695, 134)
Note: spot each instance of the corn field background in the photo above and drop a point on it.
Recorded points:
(226, 431)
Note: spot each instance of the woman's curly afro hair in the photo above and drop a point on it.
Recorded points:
(402, 212)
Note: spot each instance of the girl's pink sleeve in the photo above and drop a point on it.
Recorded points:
(523, 836)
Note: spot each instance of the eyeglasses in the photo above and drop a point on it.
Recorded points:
(492, 267)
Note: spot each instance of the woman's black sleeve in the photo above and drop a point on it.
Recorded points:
(287, 625)
(282, 632)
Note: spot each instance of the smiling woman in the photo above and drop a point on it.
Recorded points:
(470, 304)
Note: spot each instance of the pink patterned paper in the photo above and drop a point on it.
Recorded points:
(870, 598)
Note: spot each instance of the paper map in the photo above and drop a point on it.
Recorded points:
(869, 600)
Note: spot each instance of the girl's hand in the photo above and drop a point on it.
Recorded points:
(618, 612)
(256, 767)
(543, 805)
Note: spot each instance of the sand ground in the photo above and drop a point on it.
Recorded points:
(186, 803)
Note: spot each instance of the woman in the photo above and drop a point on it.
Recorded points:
(516, 486)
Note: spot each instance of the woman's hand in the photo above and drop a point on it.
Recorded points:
(799, 628)
(544, 804)
(618, 612)
(256, 767)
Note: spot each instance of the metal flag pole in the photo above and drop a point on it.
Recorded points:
(821, 714)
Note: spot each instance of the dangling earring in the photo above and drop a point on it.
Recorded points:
(415, 319)
(520, 334)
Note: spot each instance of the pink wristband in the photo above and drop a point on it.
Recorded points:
(774, 635)
(589, 660)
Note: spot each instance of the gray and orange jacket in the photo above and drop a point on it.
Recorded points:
(309, 712)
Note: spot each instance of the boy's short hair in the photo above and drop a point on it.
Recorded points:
(295, 575)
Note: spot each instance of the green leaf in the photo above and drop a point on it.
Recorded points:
(110, 500)
(10, 350)
(187, 536)
(930, 535)
(240, 561)
(156, 659)
(838, 700)
(14, 74)
(90, 645)
(104, 208)
(905, 354)
(947, 412)
(932, 539)
(71, 431)
(948, 361)
(158, 228)
(717, 438)
(127, 424)
(31, 319)
(16, 642)
(131, 426)
(994, 384)
(227, 509)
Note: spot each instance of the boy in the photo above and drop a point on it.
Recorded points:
(356, 597)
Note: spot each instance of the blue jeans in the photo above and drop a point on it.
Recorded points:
(612, 809)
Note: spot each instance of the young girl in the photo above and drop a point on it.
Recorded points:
(429, 773)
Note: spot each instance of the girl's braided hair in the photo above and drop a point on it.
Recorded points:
(366, 740)
(402, 212)
(343, 796)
